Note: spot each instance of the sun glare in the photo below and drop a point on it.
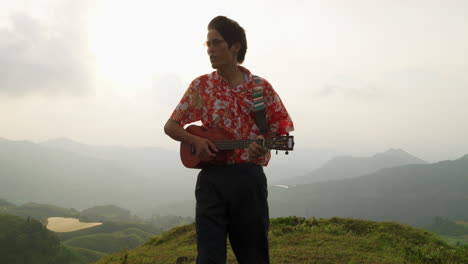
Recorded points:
(133, 41)
(122, 42)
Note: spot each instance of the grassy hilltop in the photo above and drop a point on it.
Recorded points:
(325, 241)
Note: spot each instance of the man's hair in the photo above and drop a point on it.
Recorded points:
(232, 32)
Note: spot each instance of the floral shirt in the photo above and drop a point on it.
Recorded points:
(212, 101)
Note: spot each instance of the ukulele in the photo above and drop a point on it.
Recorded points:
(224, 144)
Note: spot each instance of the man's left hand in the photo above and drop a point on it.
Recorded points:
(256, 151)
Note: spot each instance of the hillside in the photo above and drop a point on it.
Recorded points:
(349, 167)
(411, 194)
(325, 241)
(107, 213)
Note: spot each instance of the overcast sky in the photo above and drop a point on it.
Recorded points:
(358, 77)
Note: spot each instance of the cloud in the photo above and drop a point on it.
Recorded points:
(50, 59)
(349, 87)
(425, 80)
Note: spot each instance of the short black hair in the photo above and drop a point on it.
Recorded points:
(232, 32)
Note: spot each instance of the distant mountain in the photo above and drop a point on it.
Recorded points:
(146, 160)
(412, 194)
(71, 174)
(146, 180)
(349, 167)
(41, 211)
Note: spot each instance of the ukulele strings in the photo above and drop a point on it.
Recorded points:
(233, 144)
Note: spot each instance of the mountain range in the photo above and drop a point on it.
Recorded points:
(72, 174)
(412, 194)
(343, 167)
(393, 185)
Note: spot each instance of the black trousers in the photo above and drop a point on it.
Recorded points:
(232, 201)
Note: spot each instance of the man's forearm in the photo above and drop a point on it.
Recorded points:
(174, 130)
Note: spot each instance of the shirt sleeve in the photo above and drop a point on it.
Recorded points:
(190, 107)
(278, 118)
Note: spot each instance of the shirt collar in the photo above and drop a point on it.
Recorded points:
(246, 85)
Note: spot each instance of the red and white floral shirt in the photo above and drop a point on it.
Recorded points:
(212, 101)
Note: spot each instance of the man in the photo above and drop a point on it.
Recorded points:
(231, 197)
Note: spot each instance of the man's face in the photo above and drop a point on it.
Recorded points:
(219, 52)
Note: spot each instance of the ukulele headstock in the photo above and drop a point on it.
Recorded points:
(279, 142)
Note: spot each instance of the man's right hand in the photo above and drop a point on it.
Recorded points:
(205, 149)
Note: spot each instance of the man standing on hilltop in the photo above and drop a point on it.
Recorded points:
(231, 197)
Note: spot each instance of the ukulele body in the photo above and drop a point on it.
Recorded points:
(187, 151)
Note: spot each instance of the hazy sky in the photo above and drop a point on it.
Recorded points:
(357, 77)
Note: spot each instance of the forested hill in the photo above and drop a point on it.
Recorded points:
(325, 241)
(27, 241)
(412, 194)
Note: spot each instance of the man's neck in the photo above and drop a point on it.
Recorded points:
(232, 75)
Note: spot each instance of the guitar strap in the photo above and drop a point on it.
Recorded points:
(259, 105)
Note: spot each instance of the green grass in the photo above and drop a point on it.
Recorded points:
(86, 255)
(111, 242)
(325, 241)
